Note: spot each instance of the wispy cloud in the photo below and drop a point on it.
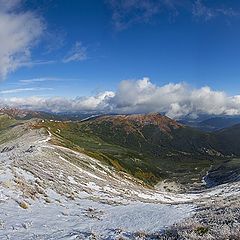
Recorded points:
(18, 90)
(34, 80)
(76, 54)
(52, 37)
(36, 63)
(201, 10)
(45, 79)
(126, 13)
(19, 31)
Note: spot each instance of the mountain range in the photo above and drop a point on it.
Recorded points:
(211, 123)
(150, 147)
(140, 176)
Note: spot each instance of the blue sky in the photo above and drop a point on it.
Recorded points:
(87, 47)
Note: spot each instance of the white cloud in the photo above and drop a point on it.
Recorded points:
(140, 96)
(76, 54)
(61, 104)
(19, 31)
(176, 100)
(143, 96)
(18, 90)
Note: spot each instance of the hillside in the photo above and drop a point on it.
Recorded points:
(218, 123)
(228, 140)
(211, 124)
(151, 147)
(23, 114)
(154, 134)
(54, 192)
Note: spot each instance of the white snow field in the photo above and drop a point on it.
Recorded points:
(51, 192)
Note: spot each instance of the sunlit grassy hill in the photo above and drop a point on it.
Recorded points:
(151, 147)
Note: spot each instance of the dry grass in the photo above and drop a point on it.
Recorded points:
(23, 205)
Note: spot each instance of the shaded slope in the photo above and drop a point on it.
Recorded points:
(218, 123)
(212, 124)
(228, 140)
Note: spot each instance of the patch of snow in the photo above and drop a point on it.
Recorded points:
(80, 169)
(71, 180)
(46, 139)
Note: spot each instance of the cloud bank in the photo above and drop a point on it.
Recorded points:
(140, 96)
(19, 32)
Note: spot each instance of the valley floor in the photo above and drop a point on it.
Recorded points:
(51, 192)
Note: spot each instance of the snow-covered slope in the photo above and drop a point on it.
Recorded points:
(51, 192)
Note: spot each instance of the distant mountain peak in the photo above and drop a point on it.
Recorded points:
(15, 112)
(133, 121)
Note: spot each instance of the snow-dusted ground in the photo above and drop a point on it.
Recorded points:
(51, 192)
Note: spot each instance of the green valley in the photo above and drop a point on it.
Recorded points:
(150, 147)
